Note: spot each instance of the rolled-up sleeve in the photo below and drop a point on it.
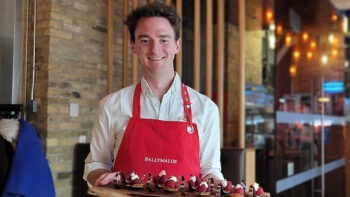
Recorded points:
(210, 143)
(206, 115)
(101, 157)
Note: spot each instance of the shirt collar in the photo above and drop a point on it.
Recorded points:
(146, 90)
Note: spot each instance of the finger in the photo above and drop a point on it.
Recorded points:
(98, 180)
(106, 178)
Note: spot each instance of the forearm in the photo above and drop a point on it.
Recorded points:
(210, 148)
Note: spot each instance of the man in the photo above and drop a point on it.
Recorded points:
(158, 124)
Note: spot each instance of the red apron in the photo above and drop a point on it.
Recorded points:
(150, 146)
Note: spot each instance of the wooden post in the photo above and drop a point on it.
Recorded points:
(110, 48)
(125, 44)
(197, 45)
(220, 61)
(209, 49)
(179, 54)
(134, 56)
(241, 81)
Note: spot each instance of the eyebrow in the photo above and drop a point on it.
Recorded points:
(146, 36)
(142, 36)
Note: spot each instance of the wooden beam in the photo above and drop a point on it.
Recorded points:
(220, 61)
(197, 45)
(179, 55)
(134, 56)
(209, 49)
(110, 48)
(241, 64)
(125, 44)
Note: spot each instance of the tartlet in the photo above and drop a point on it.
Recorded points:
(160, 179)
(203, 189)
(171, 184)
(226, 186)
(133, 180)
(194, 182)
(237, 191)
(257, 190)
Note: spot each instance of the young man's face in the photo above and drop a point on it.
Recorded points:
(155, 45)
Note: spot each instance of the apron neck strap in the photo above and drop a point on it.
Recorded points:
(187, 103)
(136, 101)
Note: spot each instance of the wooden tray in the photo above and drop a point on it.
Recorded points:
(115, 192)
(111, 192)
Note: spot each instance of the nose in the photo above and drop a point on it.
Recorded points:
(155, 47)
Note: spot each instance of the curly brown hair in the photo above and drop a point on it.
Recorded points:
(154, 9)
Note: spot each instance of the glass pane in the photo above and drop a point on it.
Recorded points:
(309, 93)
(259, 76)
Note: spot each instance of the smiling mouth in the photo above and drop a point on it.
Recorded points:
(155, 58)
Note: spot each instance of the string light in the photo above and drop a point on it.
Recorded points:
(288, 40)
(269, 16)
(305, 36)
(293, 71)
(334, 52)
(279, 29)
(296, 55)
(309, 55)
(331, 38)
(334, 17)
(324, 59)
(313, 44)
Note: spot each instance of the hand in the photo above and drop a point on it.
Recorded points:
(216, 180)
(105, 179)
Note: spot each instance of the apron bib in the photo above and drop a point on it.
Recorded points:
(150, 146)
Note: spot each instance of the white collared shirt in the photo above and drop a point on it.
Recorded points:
(115, 110)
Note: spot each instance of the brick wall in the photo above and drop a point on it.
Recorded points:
(71, 44)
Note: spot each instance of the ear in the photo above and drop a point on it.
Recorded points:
(178, 45)
(132, 46)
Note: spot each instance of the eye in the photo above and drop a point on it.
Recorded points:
(144, 41)
(164, 41)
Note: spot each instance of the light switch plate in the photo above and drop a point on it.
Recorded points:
(74, 109)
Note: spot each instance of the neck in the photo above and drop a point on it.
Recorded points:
(160, 85)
